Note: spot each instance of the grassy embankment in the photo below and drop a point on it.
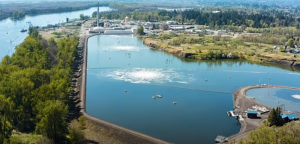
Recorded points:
(213, 47)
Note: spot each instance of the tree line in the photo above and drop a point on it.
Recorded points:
(195, 16)
(35, 87)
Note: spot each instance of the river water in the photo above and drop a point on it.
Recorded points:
(10, 30)
(117, 64)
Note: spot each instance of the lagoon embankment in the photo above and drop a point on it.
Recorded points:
(114, 133)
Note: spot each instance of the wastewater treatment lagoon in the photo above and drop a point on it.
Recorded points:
(123, 75)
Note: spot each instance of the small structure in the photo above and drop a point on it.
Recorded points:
(252, 113)
(289, 117)
(158, 95)
(126, 19)
(232, 113)
(221, 139)
(134, 30)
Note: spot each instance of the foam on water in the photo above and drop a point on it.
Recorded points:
(121, 48)
(296, 96)
(147, 75)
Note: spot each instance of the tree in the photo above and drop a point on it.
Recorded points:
(33, 32)
(287, 134)
(140, 30)
(51, 41)
(81, 16)
(6, 111)
(52, 120)
(291, 43)
(275, 117)
(44, 140)
(75, 130)
(164, 26)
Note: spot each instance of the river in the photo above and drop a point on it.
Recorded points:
(123, 74)
(10, 30)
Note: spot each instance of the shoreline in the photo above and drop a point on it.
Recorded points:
(50, 10)
(180, 53)
(242, 103)
(125, 135)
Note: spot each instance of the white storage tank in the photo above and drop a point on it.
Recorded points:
(134, 30)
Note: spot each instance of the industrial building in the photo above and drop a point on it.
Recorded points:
(252, 113)
(289, 117)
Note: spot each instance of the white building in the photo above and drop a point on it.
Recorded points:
(171, 23)
(134, 30)
(126, 19)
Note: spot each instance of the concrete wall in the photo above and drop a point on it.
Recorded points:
(118, 32)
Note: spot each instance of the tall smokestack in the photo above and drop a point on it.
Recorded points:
(98, 15)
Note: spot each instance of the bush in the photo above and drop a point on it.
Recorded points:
(282, 50)
(76, 135)
(44, 140)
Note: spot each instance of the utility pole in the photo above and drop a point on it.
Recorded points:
(269, 87)
(98, 15)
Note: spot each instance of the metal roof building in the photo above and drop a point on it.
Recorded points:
(252, 113)
(290, 116)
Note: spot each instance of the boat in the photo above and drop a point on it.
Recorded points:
(153, 97)
(125, 91)
(174, 103)
(23, 30)
(160, 96)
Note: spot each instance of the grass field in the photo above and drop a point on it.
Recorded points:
(209, 47)
(60, 32)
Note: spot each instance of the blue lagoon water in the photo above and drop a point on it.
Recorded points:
(119, 63)
(274, 97)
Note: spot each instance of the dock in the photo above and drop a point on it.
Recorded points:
(220, 139)
(232, 113)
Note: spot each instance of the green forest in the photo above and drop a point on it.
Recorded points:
(35, 87)
(232, 17)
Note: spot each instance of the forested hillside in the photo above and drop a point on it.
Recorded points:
(35, 87)
(260, 19)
